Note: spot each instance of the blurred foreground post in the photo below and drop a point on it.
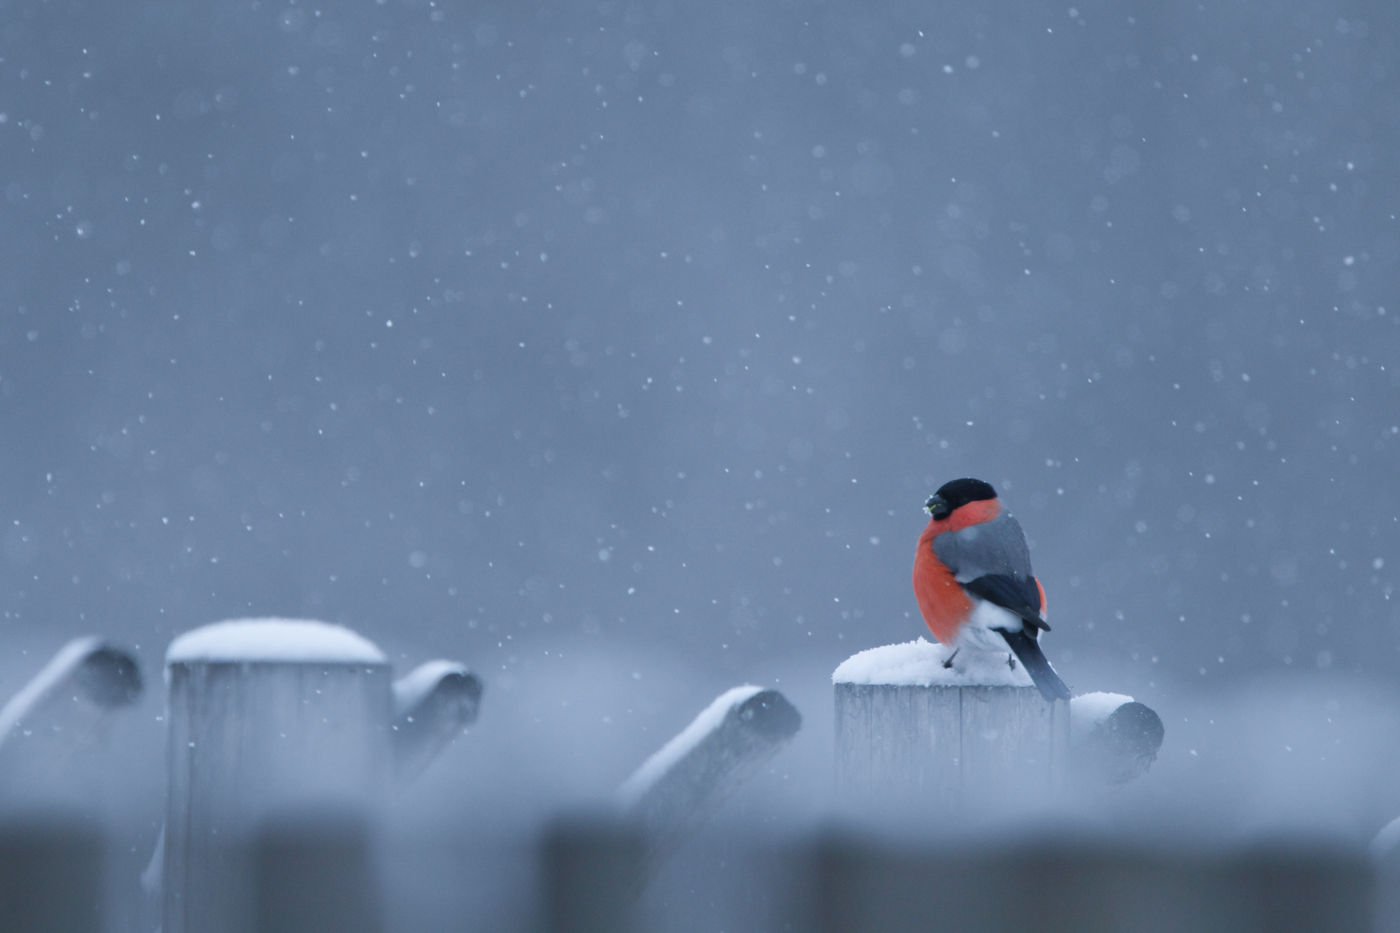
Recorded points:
(314, 874)
(269, 718)
(50, 874)
(591, 870)
(1084, 885)
(907, 726)
(265, 718)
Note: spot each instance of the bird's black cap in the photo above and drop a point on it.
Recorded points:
(956, 493)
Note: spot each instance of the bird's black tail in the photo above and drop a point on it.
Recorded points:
(1027, 651)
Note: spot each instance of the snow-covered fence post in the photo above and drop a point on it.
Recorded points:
(1113, 738)
(432, 705)
(594, 868)
(905, 724)
(270, 718)
(65, 708)
(685, 781)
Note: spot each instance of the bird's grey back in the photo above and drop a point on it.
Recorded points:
(994, 547)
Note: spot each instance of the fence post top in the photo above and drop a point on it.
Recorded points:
(269, 640)
(920, 663)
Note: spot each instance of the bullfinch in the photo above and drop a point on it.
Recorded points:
(973, 581)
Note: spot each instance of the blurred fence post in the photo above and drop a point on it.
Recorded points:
(689, 778)
(50, 874)
(432, 705)
(64, 709)
(1088, 886)
(314, 873)
(1385, 857)
(591, 870)
(1113, 738)
(594, 868)
(266, 717)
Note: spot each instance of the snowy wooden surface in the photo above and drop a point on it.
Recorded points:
(899, 741)
(284, 739)
(1113, 738)
(268, 719)
(432, 705)
(685, 781)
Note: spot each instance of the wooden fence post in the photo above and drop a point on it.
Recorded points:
(596, 866)
(591, 868)
(906, 726)
(1086, 885)
(269, 717)
(314, 873)
(50, 874)
(1113, 738)
(432, 705)
(688, 778)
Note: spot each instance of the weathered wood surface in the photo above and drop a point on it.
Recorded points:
(284, 739)
(249, 743)
(899, 742)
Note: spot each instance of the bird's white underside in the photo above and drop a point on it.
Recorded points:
(980, 633)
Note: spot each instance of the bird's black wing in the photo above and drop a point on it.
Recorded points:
(1014, 594)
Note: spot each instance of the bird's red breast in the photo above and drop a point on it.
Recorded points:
(944, 605)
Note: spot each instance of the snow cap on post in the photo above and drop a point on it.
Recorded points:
(289, 641)
(919, 663)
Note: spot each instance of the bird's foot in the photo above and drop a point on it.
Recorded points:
(948, 661)
(1011, 661)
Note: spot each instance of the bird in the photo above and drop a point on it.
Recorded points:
(974, 585)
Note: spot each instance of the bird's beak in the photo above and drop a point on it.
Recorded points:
(936, 507)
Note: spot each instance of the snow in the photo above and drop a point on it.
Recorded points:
(286, 640)
(681, 745)
(1387, 841)
(41, 684)
(1089, 709)
(919, 663)
(410, 689)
